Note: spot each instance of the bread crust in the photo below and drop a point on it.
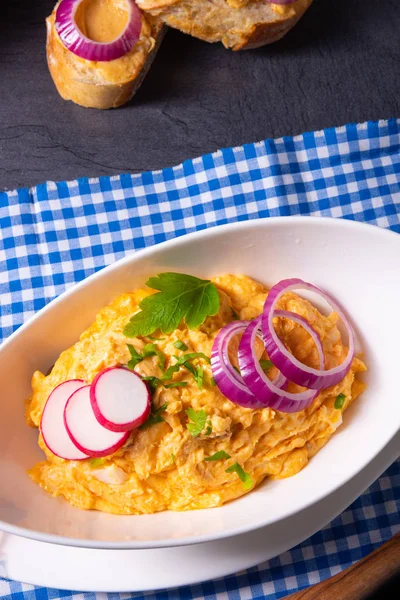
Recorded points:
(190, 16)
(102, 85)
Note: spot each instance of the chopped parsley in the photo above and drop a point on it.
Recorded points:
(136, 357)
(148, 350)
(197, 421)
(97, 462)
(243, 476)
(198, 374)
(152, 350)
(180, 345)
(184, 361)
(175, 384)
(213, 382)
(179, 297)
(152, 382)
(339, 402)
(155, 417)
(220, 455)
(266, 364)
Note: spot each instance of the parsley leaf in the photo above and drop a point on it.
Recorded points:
(152, 350)
(136, 357)
(175, 384)
(180, 345)
(213, 382)
(220, 455)
(170, 371)
(180, 297)
(148, 350)
(154, 338)
(266, 364)
(208, 429)
(243, 476)
(155, 417)
(198, 374)
(97, 462)
(183, 359)
(153, 383)
(198, 421)
(339, 402)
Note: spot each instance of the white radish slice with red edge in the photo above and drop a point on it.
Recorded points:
(120, 399)
(52, 426)
(84, 429)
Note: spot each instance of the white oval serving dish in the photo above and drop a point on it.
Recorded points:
(358, 264)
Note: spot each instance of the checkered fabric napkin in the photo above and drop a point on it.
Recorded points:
(58, 233)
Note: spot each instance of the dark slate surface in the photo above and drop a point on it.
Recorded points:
(340, 64)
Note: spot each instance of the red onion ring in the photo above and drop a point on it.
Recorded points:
(256, 380)
(77, 43)
(284, 361)
(228, 380)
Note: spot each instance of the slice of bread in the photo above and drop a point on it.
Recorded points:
(102, 84)
(238, 24)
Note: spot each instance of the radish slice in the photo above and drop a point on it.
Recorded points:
(85, 431)
(120, 399)
(52, 426)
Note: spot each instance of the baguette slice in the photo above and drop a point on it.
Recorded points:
(102, 84)
(238, 24)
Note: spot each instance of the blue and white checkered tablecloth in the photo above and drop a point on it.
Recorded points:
(58, 233)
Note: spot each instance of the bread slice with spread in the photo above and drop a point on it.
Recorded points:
(238, 24)
(82, 36)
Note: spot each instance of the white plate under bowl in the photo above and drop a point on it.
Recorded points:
(356, 263)
(91, 570)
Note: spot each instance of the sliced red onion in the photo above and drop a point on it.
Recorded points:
(257, 381)
(284, 361)
(228, 380)
(75, 41)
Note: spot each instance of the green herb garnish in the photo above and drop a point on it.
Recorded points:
(148, 350)
(266, 364)
(175, 384)
(180, 297)
(152, 350)
(136, 357)
(198, 421)
(208, 428)
(339, 402)
(153, 383)
(155, 417)
(173, 458)
(183, 359)
(180, 345)
(154, 338)
(220, 455)
(243, 476)
(97, 462)
(198, 374)
(213, 382)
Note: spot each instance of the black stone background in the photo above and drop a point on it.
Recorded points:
(340, 64)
